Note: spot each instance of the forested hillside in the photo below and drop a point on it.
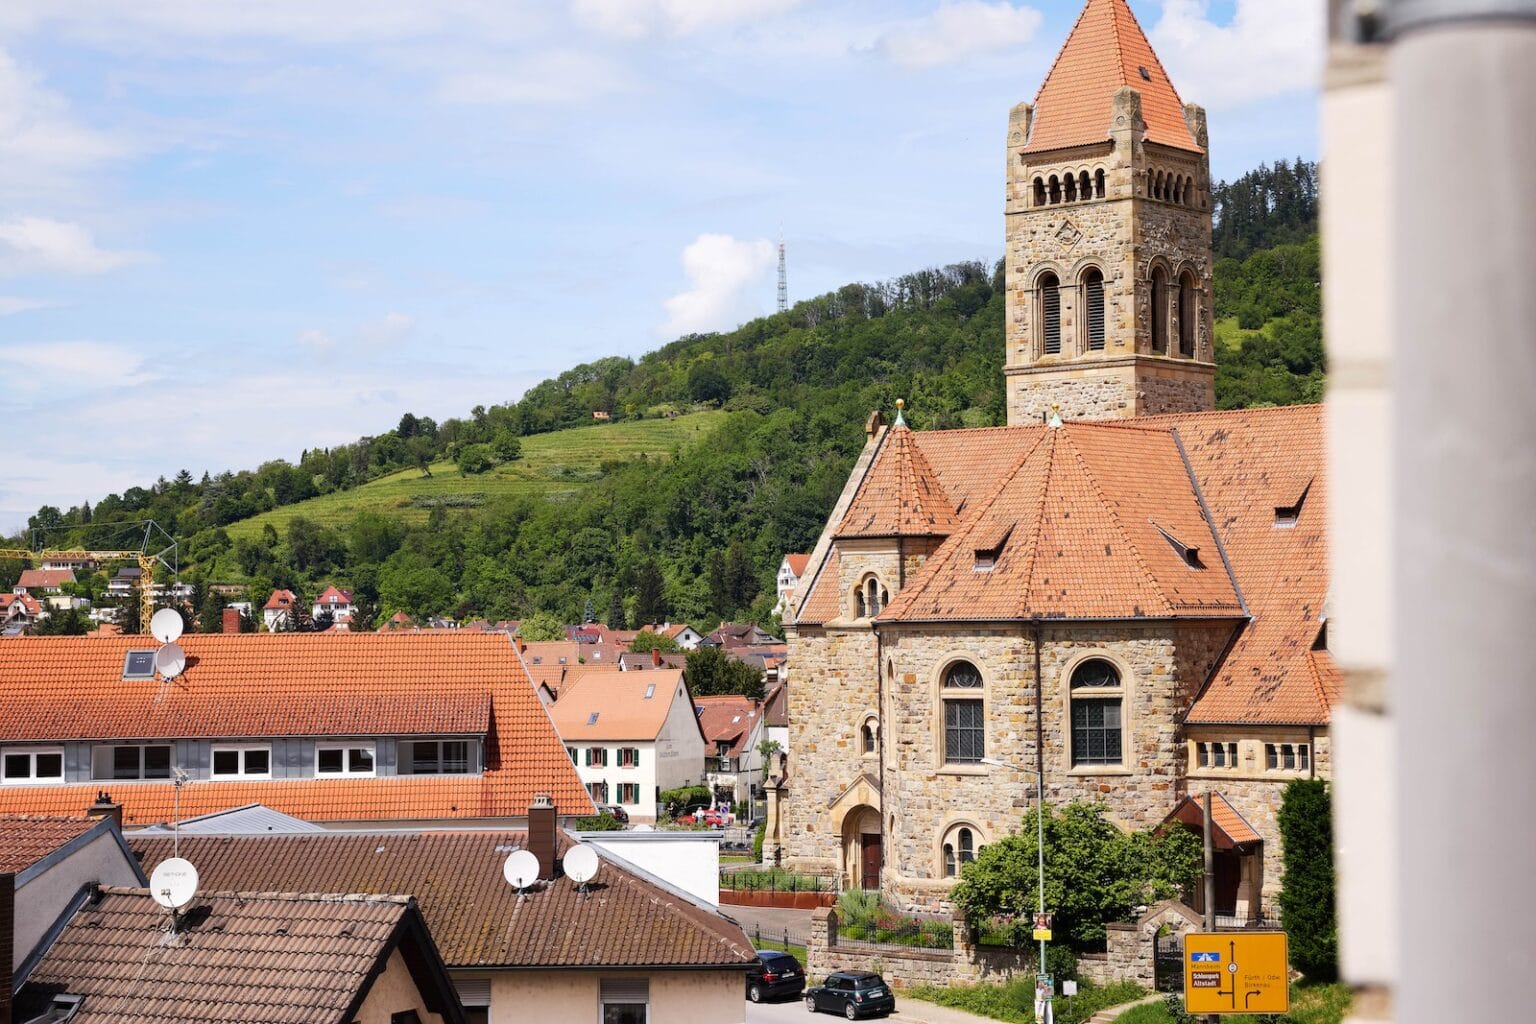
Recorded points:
(698, 534)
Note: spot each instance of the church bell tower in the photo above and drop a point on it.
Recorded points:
(1108, 235)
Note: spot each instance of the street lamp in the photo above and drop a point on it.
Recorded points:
(1039, 774)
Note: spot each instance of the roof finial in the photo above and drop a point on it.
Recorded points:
(1055, 418)
(901, 421)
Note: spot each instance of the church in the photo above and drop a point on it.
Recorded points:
(1123, 590)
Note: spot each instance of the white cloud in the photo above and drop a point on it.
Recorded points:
(1270, 48)
(559, 76)
(636, 19)
(35, 126)
(40, 244)
(72, 365)
(10, 304)
(719, 268)
(316, 339)
(389, 330)
(958, 30)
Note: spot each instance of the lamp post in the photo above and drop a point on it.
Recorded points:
(1039, 774)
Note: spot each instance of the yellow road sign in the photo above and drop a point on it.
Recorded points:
(1236, 972)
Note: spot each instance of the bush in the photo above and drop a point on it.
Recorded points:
(757, 842)
(648, 641)
(1307, 891)
(683, 799)
(476, 458)
(1015, 1001)
(599, 823)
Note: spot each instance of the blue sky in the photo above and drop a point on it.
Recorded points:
(231, 231)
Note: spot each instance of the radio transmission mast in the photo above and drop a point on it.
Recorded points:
(783, 282)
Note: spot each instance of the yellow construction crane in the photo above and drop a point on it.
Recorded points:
(146, 571)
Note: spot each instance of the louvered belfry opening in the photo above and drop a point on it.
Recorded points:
(1159, 310)
(1187, 314)
(1093, 283)
(1050, 313)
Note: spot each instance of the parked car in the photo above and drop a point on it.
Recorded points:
(615, 812)
(707, 816)
(776, 975)
(853, 994)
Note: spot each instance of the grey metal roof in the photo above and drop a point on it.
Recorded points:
(250, 820)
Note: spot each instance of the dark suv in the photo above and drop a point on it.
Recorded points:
(853, 994)
(776, 975)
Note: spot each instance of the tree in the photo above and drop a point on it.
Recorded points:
(70, 622)
(475, 459)
(712, 672)
(650, 594)
(707, 384)
(1094, 873)
(210, 613)
(1307, 888)
(769, 749)
(423, 450)
(616, 617)
(649, 640)
(418, 590)
(540, 627)
(129, 614)
(507, 446)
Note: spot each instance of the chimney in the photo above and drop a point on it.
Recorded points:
(541, 835)
(656, 657)
(521, 646)
(104, 808)
(231, 620)
(7, 940)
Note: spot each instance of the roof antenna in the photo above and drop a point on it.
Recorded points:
(181, 779)
(901, 420)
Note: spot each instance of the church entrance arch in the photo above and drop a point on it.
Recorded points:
(862, 848)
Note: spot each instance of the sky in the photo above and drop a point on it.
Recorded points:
(231, 231)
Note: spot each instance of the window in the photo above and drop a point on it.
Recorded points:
(139, 665)
(625, 1000)
(1159, 310)
(868, 736)
(1055, 189)
(598, 791)
(1050, 314)
(439, 757)
(871, 597)
(1187, 314)
(1084, 186)
(1203, 754)
(151, 761)
(571, 753)
(629, 757)
(1093, 287)
(1098, 184)
(1290, 757)
(1071, 188)
(959, 849)
(344, 759)
(20, 766)
(1039, 191)
(245, 762)
(597, 757)
(405, 1017)
(629, 793)
(964, 733)
(1096, 696)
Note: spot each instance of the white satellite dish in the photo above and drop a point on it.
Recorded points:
(173, 883)
(166, 625)
(170, 660)
(580, 864)
(521, 869)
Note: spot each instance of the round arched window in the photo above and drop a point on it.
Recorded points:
(1095, 672)
(962, 675)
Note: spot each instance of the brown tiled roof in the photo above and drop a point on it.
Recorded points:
(1105, 51)
(728, 720)
(314, 685)
(26, 839)
(280, 599)
(476, 918)
(618, 700)
(276, 959)
(1228, 827)
(900, 496)
(821, 604)
(45, 577)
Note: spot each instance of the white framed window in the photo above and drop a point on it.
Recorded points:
(339, 760)
(629, 793)
(438, 757)
(21, 766)
(117, 761)
(625, 1000)
(241, 761)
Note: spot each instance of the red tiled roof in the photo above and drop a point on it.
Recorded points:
(797, 563)
(821, 604)
(26, 839)
(1105, 51)
(334, 595)
(728, 719)
(618, 700)
(1228, 827)
(27, 602)
(477, 919)
(280, 600)
(900, 496)
(45, 577)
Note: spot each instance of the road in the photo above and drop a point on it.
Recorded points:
(908, 1011)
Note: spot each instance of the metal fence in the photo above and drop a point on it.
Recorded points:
(777, 938)
(773, 880)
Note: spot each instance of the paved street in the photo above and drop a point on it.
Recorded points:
(908, 1011)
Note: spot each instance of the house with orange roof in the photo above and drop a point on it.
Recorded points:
(790, 571)
(686, 636)
(1123, 588)
(333, 601)
(733, 727)
(346, 728)
(43, 581)
(277, 613)
(631, 735)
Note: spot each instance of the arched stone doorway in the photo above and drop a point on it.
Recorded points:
(862, 853)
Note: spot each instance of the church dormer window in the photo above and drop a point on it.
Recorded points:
(1159, 310)
(1093, 294)
(1050, 314)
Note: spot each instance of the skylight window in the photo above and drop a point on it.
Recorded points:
(139, 665)
(650, 691)
(1145, 74)
(592, 718)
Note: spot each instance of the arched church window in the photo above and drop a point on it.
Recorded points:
(1098, 183)
(1097, 698)
(1187, 314)
(1050, 314)
(964, 725)
(872, 597)
(1159, 310)
(1093, 289)
(868, 736)
(1039, 191)
(1084, 186)
(959, 849)
(1069, 185)
(1055, 184)
(962, 675)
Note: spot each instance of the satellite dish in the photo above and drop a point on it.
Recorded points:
(521, 869)
(166, 625)
(580, 864)
(170, 660)
(173, 883)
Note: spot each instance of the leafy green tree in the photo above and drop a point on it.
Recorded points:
(1094, 872)
(649, 640)
(707, 384)
(417, 590)
(507, 446)
(210, 614)
(70, 622)
(711, 672)
(540, 627)
(650, 594)
(475, 459)
(1307, 903)
(423, 450)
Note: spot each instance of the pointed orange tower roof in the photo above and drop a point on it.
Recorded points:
(1105, 52)
(901, 497)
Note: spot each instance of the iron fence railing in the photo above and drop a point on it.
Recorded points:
(773, 880)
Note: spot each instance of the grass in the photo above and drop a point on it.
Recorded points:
(798, 952)
(1229, 333)
(557, 463)
(1015, 1001)
(1310, 1004)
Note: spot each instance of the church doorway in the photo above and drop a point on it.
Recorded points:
(862, 853)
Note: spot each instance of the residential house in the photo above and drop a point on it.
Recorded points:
(730, 635)
(686, 636)
(776, 714)
(125, 583)
(790, 571)
(344, 728)
(121, 958)
(39, 582)
(396, 622)
(19, 611)
(74, 561)
(733, 727)
(630, 736)
(333, 601)
(551, 953)
(277, 613)
(641, 661)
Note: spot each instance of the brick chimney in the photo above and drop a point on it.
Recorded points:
(7, 939)
(655, 657)
(104, 808)
(541, 834)
(231, 620)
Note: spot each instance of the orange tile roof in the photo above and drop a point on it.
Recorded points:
(900, 496)
(279, 600)
(618, 700)
(26, 839)
(821, 603)
(1105, 51)
(728, 719)
(45, 577)
(797, 563)
(1228, 827)
(325, 684)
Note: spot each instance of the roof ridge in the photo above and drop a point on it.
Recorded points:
(1034, 540)
(1059, 53)
(1136, 23)
(1112, 508)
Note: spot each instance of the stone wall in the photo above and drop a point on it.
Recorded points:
(905, 966)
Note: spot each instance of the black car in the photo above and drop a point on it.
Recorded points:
(776, 975)
(853, 994)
